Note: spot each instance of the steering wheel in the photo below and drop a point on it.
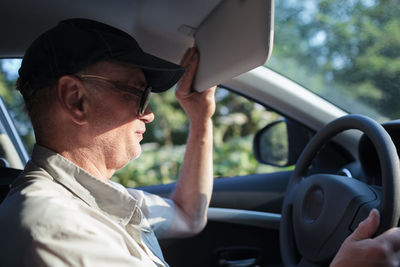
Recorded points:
(321, 210)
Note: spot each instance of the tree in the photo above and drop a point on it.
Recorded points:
(337, 38)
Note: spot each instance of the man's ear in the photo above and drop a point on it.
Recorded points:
(71, 96)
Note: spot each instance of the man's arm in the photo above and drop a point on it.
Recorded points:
(194, 187)
(359, 249)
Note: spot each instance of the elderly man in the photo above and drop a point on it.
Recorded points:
(87, 86)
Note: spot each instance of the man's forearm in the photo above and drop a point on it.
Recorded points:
(194, 187)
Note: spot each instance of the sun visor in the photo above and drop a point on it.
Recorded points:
(235, 38)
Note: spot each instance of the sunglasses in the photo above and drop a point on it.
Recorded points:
(144, 95)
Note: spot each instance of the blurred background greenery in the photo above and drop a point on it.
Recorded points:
(235, 122)
(347, 51)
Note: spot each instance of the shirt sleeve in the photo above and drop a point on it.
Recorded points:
(159, 211)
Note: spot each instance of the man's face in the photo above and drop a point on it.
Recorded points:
(114, 122)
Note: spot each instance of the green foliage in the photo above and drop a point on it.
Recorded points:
(156, 165)
(235, 122)
(170, 124)
(342, 50)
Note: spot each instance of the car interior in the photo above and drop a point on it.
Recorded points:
(331, 167)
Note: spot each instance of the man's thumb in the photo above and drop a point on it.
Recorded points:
(367, 227)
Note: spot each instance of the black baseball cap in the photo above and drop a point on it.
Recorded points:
(75, 44)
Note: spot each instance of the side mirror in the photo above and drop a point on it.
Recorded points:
(281, 143)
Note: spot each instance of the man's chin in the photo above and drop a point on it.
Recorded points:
(131, 155)
(137, 154)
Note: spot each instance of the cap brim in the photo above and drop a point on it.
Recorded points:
(161, 75)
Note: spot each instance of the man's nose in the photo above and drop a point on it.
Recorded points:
(148, 115)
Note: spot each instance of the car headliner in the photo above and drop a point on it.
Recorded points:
(169, 22)
(162, 28)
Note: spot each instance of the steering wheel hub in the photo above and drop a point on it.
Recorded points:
(313, 204)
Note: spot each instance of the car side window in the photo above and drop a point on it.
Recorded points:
(236, 121)
(12, 152)
(14, 123)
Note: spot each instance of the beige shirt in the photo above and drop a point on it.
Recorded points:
(57, 214)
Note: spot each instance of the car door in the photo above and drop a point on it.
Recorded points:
(243, 224)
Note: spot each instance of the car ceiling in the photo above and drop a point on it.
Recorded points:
(172, 23)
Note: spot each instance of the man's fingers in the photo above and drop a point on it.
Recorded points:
(191, 66)
(391, 237)
(367, 227)
(190, 61)
(186, 57)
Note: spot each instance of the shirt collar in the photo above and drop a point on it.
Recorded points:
(106, 197)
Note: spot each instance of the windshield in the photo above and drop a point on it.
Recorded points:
(347, 51)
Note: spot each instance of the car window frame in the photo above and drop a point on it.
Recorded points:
(11, 131)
